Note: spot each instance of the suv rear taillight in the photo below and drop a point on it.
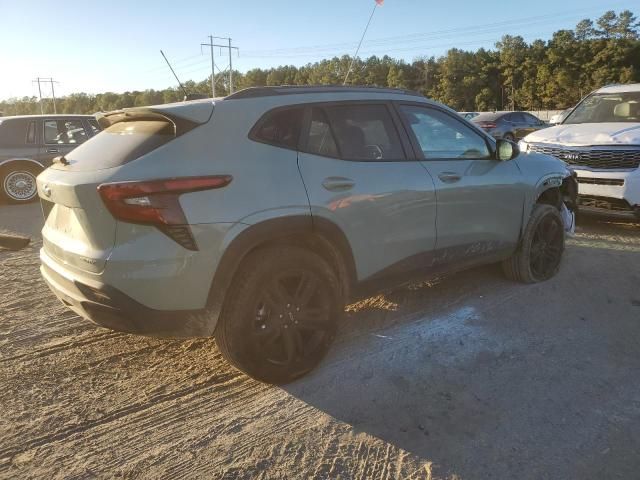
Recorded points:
(157, 203)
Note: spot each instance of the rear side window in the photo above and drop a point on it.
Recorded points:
(13, 133)
(280, 128)
(364, 132)
(66, 132)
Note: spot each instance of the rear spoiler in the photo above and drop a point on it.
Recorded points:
(180, 125)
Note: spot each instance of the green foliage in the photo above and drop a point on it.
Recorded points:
(551, 74)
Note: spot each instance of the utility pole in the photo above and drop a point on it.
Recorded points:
(211, 45)
(213, 66)
(51, 81)
(39, 94)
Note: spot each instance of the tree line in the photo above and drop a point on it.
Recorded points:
(552, 74)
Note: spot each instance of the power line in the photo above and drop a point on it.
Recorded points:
(435, 35)
(230, 48)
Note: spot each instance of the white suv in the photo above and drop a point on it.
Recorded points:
(600, 140)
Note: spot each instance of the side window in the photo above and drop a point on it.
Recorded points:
(519, 118)
(95, 128)
(31, 133)
(67, 132)
(280, 128)
(531, 120)
(321, 140)
(364, 132)
(441, 136)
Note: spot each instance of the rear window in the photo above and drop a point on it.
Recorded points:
(13, 133)
(121, 143)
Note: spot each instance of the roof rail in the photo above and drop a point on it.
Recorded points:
(256, 92)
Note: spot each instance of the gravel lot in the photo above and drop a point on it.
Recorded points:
(471, 377)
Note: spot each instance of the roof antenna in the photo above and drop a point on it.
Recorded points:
(187, 96)
(378, 3)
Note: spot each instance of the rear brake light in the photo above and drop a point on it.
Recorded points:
(157, 203)
(487, 124)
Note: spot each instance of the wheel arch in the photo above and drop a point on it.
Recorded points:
(321, 236)
(21, 160)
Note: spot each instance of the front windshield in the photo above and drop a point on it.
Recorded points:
(607, 107)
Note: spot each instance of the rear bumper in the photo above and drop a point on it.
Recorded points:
(110, 308)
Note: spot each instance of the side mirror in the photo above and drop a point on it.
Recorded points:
(506, 150)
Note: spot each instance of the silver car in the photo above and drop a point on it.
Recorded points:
(256, 217)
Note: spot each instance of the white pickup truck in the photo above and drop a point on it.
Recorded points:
(600, 140)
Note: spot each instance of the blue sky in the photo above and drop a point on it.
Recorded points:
(95, 46)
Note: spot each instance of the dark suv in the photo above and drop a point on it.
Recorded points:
(512, 126)
(28, 145)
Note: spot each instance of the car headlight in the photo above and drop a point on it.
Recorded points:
(524, 146)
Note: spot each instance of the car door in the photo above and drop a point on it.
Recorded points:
(360, 174)
(480, 199)
(17, 139)
(61, 135)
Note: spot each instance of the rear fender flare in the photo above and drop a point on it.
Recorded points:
(277, 229)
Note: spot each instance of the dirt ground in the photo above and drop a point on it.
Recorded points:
(472, 377)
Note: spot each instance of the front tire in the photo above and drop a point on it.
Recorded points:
(280, 316)
(18, 183)
(540, 251)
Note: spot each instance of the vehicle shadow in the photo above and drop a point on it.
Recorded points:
(490, 379)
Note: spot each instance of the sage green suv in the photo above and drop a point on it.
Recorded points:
(256, 217)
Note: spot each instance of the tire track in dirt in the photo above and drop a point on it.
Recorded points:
(114, 415)
(58, 347)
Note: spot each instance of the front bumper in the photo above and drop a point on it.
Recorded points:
(611, 190)
(110, 308)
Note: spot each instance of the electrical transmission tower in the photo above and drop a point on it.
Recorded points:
(211, 45)
(51, 81)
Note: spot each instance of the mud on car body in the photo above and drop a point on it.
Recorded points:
(256, 217)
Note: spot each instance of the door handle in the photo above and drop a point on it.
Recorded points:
(53, 150)
(449, 177)
(338, 184)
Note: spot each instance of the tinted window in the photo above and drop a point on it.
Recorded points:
(364, 132)
(120, 143)
(321, 140)
(13, 133)
(280, 128)
(518, 118)
(68, 132)
(441, 136)
(531, 120)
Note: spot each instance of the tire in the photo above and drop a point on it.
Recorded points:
(508, 136)
(540, 251)
(280, 315)
(18, 183)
